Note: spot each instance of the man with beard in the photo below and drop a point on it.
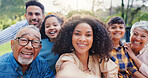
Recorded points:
(34, 16)
(23, 61)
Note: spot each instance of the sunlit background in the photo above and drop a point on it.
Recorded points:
(12, 11)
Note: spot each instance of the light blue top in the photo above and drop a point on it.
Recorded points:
(47, 54)
(9, 33)
(9, 68)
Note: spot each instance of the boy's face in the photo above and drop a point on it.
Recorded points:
(116, 31)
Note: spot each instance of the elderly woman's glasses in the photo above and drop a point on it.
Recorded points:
(24, 41)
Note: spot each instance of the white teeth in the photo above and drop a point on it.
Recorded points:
(52, 32)
(137, 42)
(81, 45)
(26, 53)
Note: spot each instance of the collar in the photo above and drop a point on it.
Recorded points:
(119, 48)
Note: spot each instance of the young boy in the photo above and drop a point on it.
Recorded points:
(116, 28)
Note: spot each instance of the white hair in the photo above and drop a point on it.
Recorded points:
(141, 24)
(28, 26)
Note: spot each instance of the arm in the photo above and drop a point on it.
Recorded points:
(69, 70)
(9, 33)
(133, 56)
(137, 74)
(136, 61)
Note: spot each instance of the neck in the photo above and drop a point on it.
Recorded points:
(24, 68)
(84, 60)
(52, 40)
(116, 43)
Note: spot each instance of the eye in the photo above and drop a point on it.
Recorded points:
(76, 34)
(47, 26)
(88, 35)
(113, 27)
(135, 34)
(36, 42)
(55, 25)
(30, 13)
(37, 14)
(121, 27)
(143, 36)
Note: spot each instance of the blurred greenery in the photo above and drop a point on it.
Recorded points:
(5, 48)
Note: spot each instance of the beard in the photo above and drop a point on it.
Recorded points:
(24, 61)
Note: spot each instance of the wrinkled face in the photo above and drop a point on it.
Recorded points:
(82, 38)
(34, 16)
(52, 28)
(139, 38)
(117, 31)
(24, 55)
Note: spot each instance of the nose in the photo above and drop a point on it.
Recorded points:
(34, 17)
(118, 29)
(82, 38)
(29, 45)
(51, 27)
(138, 38)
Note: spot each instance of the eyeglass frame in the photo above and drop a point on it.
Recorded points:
(28, 42)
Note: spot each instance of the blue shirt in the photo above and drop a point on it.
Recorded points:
(47, 54)
(9, 68)
(9, 33)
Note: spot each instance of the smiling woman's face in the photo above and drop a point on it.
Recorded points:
(82, 38)
(138, 39)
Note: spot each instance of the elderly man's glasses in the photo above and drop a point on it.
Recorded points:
(24, 41)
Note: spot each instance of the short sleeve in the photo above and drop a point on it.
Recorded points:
(109, 69)
(63, 58)
(144, 69)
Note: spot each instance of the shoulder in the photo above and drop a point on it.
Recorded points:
(4, 57)
(64, 59)
(67, 57)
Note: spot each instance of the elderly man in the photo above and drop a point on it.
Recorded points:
(34, 16)
(23, 60)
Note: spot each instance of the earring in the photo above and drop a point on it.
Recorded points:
(93, 51)
(72, 49)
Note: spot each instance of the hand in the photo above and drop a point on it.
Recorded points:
(129, 50)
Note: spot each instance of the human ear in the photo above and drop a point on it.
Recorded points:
(12, 44)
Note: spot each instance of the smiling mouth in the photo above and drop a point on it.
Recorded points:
(135, 42)
(26, 55)
(81, 45)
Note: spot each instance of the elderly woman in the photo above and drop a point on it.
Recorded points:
(82, 43)
(138, 49)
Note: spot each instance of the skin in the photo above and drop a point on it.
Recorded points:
(138, 40)
(52, 28)
(82, 40)
(34, 16)
(117, 31)
(22, 50)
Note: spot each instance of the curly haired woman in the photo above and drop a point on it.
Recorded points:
(84, 45)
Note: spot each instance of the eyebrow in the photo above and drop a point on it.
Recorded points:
(28, 34)
(86, 32)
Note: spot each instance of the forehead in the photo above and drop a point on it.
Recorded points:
(34, 8)
(140, 31)
(51, 19)
(29, 32)
(83, 27)
(117, 25)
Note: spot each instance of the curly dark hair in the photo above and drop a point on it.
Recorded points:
(102, 43)
(42, 31)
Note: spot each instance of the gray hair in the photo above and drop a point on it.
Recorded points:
(141, 24)
(26, 27)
